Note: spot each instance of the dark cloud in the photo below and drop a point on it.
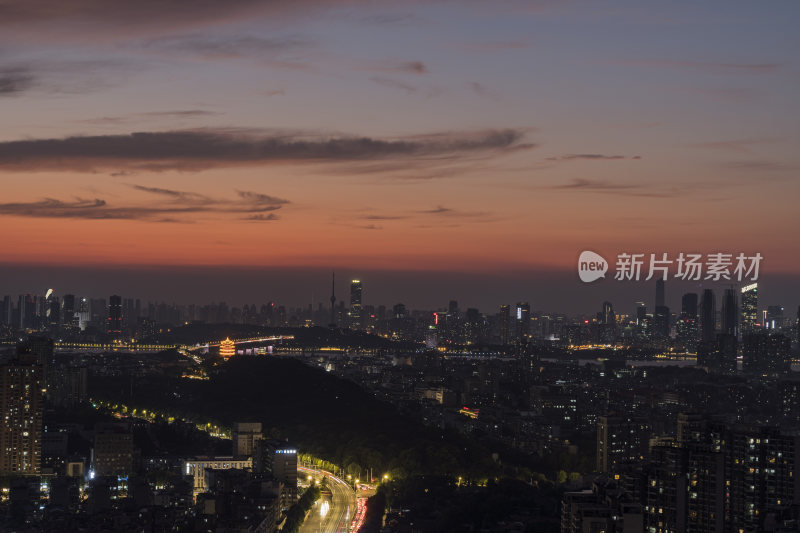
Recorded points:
(258, 200)
(391, 19)
(247, 201)
(384, 217)
(82, 20)
(592, 157)
(491, 46)
(15, 81)
(172, 208)
(608, 187)
(95, 209)
(193, 150)
(181, 113)
(137, 117)
(442, 211)
(222, 47)
(401, 67)
(262, 218)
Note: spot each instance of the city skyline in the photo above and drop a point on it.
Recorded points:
(556, 293)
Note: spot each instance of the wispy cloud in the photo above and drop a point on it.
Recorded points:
(262, 218)
(592, 157)
(711, 66)
(736, 145)
(384, 217)
(137, 117)
(448, 212)
(174, 206)
(608, 187)
(482, 91)
(394, 84)
(15, 81)
(759, 165)
(491, 46)
(85, 20)
(227, 47)
(194, 150)
(400, 67)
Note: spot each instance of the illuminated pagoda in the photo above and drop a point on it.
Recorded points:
(227, 348)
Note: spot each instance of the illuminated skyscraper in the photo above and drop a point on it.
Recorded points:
(687, 322)
(114, 326)
(284, 469)
(774, 319)
(749, 307)
(21, 403)
(355, 304)
(523, 321)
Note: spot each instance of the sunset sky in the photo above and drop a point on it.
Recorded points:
(436, 137)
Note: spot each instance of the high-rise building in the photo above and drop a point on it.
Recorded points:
(284, 469)
(355, 305)
(128, 315)
(766, 353)
(112, 453)
(660, 295)
(749, 307)
(730, 313)
(642, 322)
(6, 311)
(608, 314)
(685, 489)
(687, 322)
(661, 322)
(523, 322)
(333, 323)
(718, 357)
(761, 466)
(245, 437)
(505, 324)
(114, 325)
(68, 312)
(622, 440)
(708, 316)
(22, 404)
(605, 507)
(83, 313)
(797, 326)
(774, 319)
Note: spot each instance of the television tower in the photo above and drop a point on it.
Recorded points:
(332, 324)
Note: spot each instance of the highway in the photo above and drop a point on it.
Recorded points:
(334, 515)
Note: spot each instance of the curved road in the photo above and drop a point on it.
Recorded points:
(337, 516)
